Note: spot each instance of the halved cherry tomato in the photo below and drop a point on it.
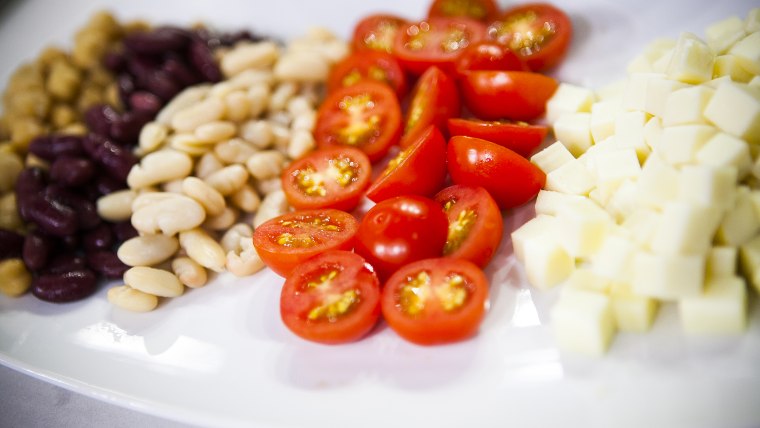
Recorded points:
(420, 169)
(516, 95)
(377, 32)
(538, 32)
(366, 116)
(482, 10)
(327, 178)
(520, 137)
(436, 301)
(489, 56)
(511, 179)
(331, 298)
(400, 230)
(286, 241)
(435, 41)
(434, 100)
(376, 65)
(475, 223)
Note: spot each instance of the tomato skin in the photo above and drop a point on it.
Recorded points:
(419, 169)
(488, 55)
(515, 95)
(401, 230)
(375, 131)
(481, 10)
(368, 64)
(337, 196)
(282, 259)
(434, 100)
(434, 324)
(485, 231)
(298, 300)
(520, 137)
(376, 32)
(511, 179)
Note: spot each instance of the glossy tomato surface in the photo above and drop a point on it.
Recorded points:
(377, 32)
(288, 240)
(401, 230)
(487, 55)
(331, 298)
(366, 116)
(376, 65)
(520, 137)
(327, 178)
(514, 95)
(435, 301)
(481, 10)
(434, 100)
(511, 179)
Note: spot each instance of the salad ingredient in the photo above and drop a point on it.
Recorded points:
(482, 10)
(147, 250)
(189, 272)
(434, 100)
(16, 277)
(488, 55)
(126, 297)
(515, 95)
(157, 282)
(375, 65)
(520, 137)
(377, 32)
(583, 322)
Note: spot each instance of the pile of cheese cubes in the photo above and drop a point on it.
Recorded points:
(652, 192)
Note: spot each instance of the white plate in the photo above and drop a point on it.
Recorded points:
(220, 355)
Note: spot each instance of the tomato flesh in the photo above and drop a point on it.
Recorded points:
(514, 95)
(374, 65)
(377, 32)
(481, 10)
(520, 137)
(434, 100)
(489, 56)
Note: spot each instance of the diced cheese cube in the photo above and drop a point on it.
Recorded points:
(747, 51)
(623, 201)
(658, 182)
(668, 276)
(603, 119)
(708, 186)
(613, 260)
(612, 91)
(583, 227)
(685, 228)
(756, 168)
(686, 106)
(735, 108)
(535, 227)
(574, 131)
(616, 166)
(720, 309)
(755, 82)
(653, 133)
(642, 224)
(731, 66)
(572, 177)
(547, 263)
(585, 279)
(724, 150)
(749, 261)
(716, 82)
(692, 60)
(635, 95)
(652, 53)
(632, 312)
(722, 261)
(583, 323)
(552, 157)
(662, 63)
(740, 223)
(550, 202)
(568, 99)
(752, 22)
(629, 132)
(601, 195)
(658, 91)
(679, 144)
(723, 34)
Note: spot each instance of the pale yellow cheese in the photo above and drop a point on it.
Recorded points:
(708, 186)
(668, 276)
(725, 150)
(720, 309)
(583, 323)
(633, 313)
(568, 98)
(692, 60)
(574, 131)
(679, 144)
(722, 261)
(723, 34)
(686, 106)
(749, 261)
(735, 108)
(552, 157)
(572, 177)
(747, 51)
(685, 228)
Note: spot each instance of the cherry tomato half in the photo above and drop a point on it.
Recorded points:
(377, 32)
(400, 230)
(489, 56)
(481, 10)
(327, 178)
(435, 99)
(366, 116)
(538, 32)
(331, 298)
(515, 95)
(435, 301)
(475, 223)
(435, 41)
(420, 169)
(520, 137)
(286, 241)
(511, 179)
(376, 65)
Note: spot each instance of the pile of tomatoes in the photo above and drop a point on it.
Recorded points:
(454, 152)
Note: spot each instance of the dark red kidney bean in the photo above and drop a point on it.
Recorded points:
(124, 230)
(29, 184)
(11, 244)
(202, 58)
(161, 83)
(51, 216)
(230, 39)
(116, 160)
(177, 68)
(126, 128)
(50, 147)
(64, 287)
(105, 184)
(114, 61)
(141, 67)
(72, 171)
(99, 238)
(99, 118)
(64, 262)
(70, 242)
(157, 41)
(146, 102)
(37, 250)
(86, 210)
(106, 263)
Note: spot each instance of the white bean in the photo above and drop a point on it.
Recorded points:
(258, 97)
(302, 66)
(188, 143)
(216, 131)
(189, 272)
(282, 93)
(207, 165)
(281, 136)
(203, 249)
(301, 143)
(273, 205)
(210, 198)
(147, 250)
(253, 77)
(205, 111)
(173, 186)
(265, 164)
(116, 206)
(234, 150)
(265, 187)
(246, 262)
(231, 239)
(169, 216)
(181, 101)
(304, 121)
(131, 299)
(158, 167)
(222, 221)
(152, 136)
(300, 104)
(146, 198)
(258, 133)
(249, 56)
(228, 179)
(238, 106)
(154, 281)
(246, 198)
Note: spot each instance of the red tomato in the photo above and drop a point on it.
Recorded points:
(327, 178)
(538, 32)
(331, 298)
(489, 56)
(376, 65)
(365, 115)
(436, 301)
(401, 230)
(420, 169)
(516, 95)
(436, 41)
(377, 32)
(482, 10)
(286, 241)
(520, 137)
(434, 100)
(475, 223)
(511, 179)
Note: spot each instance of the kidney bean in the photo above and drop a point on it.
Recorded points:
(51, 216)
(124, 230)
(177, 68)
(116, 160)
(70, 243)
(29, 184)
(141, 67)
(146, 102)
(157, 41)
(86, 210)
(37, 250)
(99, 119)
(99, 238)
(64, 262)
(64, 287)
(114, 61)
(161, 83)
(72, 171)
(126, 128)
(106, 263)
(11, 244)
(202, 58)
(106, 184)
(50, 147)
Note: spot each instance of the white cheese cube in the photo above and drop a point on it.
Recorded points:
(752, 22)
(614, 258)
(568, 99)
(585, 279)
(668, 276)
(725, 150)
(692, 60)
(720, 309)
(747, 51)
(735, 108)
(722, 261)
(708, 186)
(755, 82)
(731, 66)
(658, 182)
(652, 53)
(623, 201)
(685, 228)
(686, 106)
(574, 131)
(740, 223)
(583, 323)
(723, 34)
(633, 313)
(612, 91)
(603, 116)
(616, 166)
(629, 132)
(653, 133)
(601, 195)
(533, 228)
(679, 144)
(641, 224)
(658, 91)
(662, 63)
(550, 202)
(749, 261)
(582, 228)
(635, 95)
(756, 168)
(572, 177)
(547, 263)
(715, 83)
(552, 157)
